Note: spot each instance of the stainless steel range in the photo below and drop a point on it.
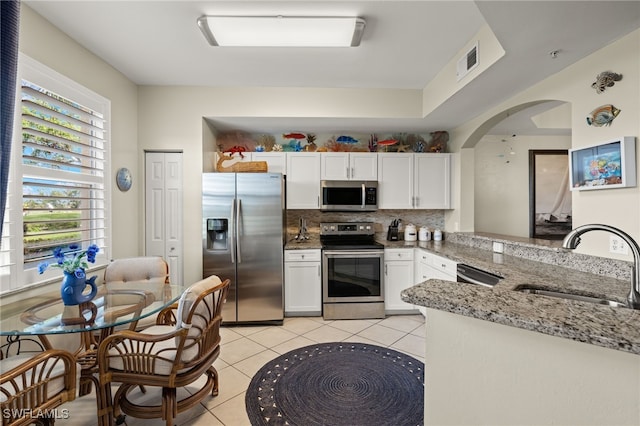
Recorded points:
(352, 271)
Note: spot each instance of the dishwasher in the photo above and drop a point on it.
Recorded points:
(471, 275)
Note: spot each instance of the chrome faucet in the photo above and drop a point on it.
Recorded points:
(572, 240)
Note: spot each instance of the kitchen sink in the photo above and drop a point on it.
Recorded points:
(570, 296)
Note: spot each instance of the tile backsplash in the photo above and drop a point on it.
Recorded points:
(382, 218)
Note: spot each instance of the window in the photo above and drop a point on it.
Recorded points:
(59, 176)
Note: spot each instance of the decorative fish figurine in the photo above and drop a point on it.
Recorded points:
(605, 79)
(387, 143)
(602, 116)
(346, 139)
(294, 136)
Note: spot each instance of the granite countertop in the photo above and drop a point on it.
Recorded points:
(303, 244)
(601, 325)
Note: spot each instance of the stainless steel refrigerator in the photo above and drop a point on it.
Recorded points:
(243, 240)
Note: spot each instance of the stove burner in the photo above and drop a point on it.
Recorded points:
(348, 236)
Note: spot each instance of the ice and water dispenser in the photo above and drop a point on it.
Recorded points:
(217, 234)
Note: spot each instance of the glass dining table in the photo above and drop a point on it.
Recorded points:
(115, 306)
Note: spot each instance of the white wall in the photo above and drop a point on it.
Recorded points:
(48, 45)
(616, 207)
(502, 181)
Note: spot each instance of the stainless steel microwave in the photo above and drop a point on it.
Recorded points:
(349, 195)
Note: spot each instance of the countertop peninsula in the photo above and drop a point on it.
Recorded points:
(601, 325)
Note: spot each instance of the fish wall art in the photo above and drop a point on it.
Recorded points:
(605, 79)
(602, 116)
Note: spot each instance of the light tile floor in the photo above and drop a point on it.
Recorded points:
(245, 349)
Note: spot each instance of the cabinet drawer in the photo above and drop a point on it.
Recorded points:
(423, 257)
(444, 265)
(302, 255)
(398, 254)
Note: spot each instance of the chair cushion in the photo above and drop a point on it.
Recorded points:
(135, 269)
(57, 372)
(198, 322)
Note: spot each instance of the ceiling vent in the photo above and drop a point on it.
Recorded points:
(468, 62)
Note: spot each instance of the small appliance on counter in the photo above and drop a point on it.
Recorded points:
(392, 232)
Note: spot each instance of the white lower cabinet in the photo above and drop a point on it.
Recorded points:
(431, 266)
(302, 282)
(398, 275)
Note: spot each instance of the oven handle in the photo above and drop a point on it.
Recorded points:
(352, 252)
(363, 195)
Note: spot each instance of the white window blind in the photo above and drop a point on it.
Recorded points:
(63, 173)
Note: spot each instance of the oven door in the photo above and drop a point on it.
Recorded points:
(352, 276)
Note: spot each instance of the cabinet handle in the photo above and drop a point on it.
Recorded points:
(385, 269)
(347, 173)
(444, 266)
(302, 256)
(319, 270)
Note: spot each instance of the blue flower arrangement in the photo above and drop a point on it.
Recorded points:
(75, 263)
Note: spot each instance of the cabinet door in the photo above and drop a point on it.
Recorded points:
(334, 165)
(395, 181)
(276, 161)
(303, 180)
(398, 275)
(432, 181)
(363, 166)
(302, 288)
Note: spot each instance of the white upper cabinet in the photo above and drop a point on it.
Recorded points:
(414, 181)
(395, 180)
(276, 161)
(349, 166)
(303, 180)
(432, 181)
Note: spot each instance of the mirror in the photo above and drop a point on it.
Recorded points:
(549, 194)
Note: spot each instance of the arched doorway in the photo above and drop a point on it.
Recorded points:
(502, 179)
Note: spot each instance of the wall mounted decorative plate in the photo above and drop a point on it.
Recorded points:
(123, 179)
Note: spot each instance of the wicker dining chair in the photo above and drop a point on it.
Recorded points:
(33, 386)
(164, 356)
(147, 273)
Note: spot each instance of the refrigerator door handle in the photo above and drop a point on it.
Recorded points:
(238, 227)
(233, 230)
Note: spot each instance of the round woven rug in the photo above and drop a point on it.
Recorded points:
(338, 384)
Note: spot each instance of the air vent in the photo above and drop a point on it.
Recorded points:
(468, 62)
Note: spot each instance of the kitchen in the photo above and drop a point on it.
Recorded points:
(160, 117)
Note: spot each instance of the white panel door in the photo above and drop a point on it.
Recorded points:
(163, 196)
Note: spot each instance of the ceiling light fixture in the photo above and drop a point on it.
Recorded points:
(282, 31)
